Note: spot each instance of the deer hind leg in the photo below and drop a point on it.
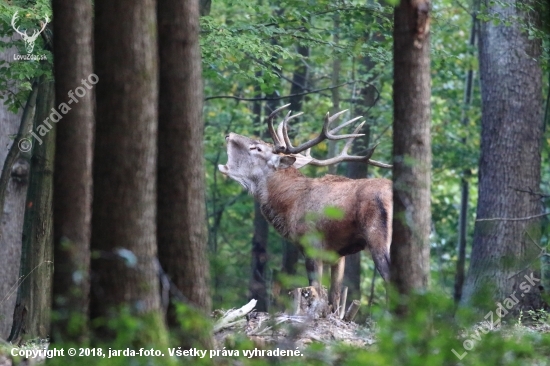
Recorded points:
(336, 277)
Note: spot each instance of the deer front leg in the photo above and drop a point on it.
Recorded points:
(336, 277)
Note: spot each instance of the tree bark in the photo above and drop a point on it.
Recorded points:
(73, 169)
(511, 128)
(125, 160)
(31, 317)
(410, 250)
(13, 191)
(182, 230)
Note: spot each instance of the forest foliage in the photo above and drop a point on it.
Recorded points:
(250, 51)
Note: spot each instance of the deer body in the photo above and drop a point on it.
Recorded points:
(287, 198)
(365, 203)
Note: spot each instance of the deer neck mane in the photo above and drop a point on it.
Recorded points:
(283, 191)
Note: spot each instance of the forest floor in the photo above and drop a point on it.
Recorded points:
(283, 331)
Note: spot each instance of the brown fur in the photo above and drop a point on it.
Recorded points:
(291, 196)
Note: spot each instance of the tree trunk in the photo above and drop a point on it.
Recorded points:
(13, 191)
(31, 317)
(352, 271)
(335, 93)
(291, 253)
(410, 250)
(464, 185)
(125, 160)
(503, 251)
(258, 283)
(204, 7)
(73, 169)
(182, 230)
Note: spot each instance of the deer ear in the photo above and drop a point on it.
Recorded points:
(301, 160)
(286, 162)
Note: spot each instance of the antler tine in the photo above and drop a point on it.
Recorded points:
(350, 140)
(336, 129)
(330, 133)
(44, 24)
(325, 133)
(13, 20)
(283, 126)
(343, 156)
(278, 144)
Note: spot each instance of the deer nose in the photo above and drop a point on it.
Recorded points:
(226, 137)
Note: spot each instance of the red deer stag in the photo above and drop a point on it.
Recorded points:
(270, 173)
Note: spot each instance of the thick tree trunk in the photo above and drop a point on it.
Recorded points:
(125, 273)
(503, 251)
(13, 191)
(31, 317)
(182, 231)
(73, 168)
(410, 250)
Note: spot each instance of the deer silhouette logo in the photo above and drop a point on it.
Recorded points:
(29, 40)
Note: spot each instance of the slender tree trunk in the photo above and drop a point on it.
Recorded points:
(291, 253)
(503, 252)
(335, 93)
(125, 159)
(410, 250)
(182, 231)
(204, 7)
(73, 169)
(352, 271)
(31, 317)
(257, 286)
(464, 185)
(258, 283)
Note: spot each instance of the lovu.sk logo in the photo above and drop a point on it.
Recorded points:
(29, 40)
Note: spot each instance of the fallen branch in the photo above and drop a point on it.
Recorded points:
(228, 319)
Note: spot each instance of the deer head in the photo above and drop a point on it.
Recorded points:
(29, 40)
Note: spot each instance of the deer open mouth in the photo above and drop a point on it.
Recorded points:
(223, 169)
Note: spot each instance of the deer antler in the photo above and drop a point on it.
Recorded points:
(25, 36)
(283, 144)
(13, 20)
